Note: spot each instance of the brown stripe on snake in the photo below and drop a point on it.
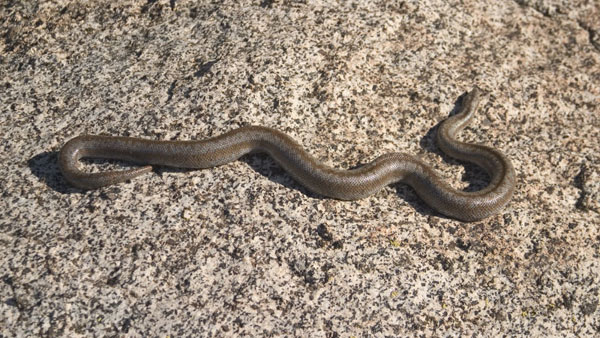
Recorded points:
(337, 183)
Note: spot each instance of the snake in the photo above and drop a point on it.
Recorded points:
(341, 184)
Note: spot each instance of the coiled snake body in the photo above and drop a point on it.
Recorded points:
(337, 183)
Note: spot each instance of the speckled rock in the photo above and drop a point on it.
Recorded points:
(242, 249)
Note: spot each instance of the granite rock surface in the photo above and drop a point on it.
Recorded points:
(244, 250)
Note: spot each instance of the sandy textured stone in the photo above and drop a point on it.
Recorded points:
(244, 250)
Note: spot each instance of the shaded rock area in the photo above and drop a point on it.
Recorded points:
(244, 250)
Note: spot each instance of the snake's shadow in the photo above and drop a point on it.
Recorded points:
(267, 167)
(45, 166)
(475, 176)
